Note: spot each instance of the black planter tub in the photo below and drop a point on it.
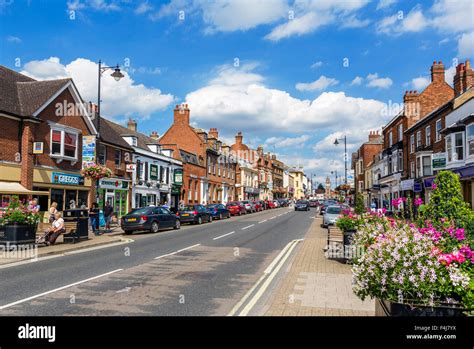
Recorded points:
(18, 234)
(387, 308)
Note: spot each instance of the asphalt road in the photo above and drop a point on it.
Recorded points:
(198, 270)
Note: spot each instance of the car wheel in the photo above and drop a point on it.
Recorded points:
(154, 227)
(177, 224)
(240, 213)
(210, 219)
(228, 215)
(128, 232)
(199, 221)
(220, 216)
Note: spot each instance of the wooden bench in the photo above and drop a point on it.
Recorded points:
(335, 243)
(69, 234)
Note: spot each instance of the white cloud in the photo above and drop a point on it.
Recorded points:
(144, 7)
(14, 39)
(453, 16)
(238, 99)
(97, 5)
(305, 24)
(121, 98)
(466, 45)
(317, 64)
(414, 21)
(354, 22)
(375, 81)
(384, 4)
(420, 83)
(357, 81)
(449, 74)
(282, 142)
(321, 84)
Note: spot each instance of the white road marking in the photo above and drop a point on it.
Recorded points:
(262, 221)
(57, 289)
(166, 255)
(188, 248)
(248, 226)
(273, 217)
(221, 236)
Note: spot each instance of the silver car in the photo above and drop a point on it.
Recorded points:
(249, 206)
(331, 214)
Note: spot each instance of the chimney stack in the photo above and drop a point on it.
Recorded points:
(213, 133)
(374, 135)
(437, 72)
(154, 135)
(181, 114)
(238, 138)
(132, 125)
(464, 78)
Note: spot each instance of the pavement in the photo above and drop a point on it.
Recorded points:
(197, 270)
(314, 285)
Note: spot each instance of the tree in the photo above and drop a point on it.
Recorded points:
(359, 205)
(446, 202)
(320, 186)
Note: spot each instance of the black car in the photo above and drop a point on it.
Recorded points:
(302, 205)
(218, 211)
(283, 202)
(149, 219)
(195, 214)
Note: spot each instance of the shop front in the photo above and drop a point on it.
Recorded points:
(116, 192)
(251, 193)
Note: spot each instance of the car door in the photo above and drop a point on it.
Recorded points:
(204, 214)
(168, 217)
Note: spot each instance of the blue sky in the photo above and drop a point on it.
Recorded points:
(290, 74)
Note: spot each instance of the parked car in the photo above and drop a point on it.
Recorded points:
(236, 208)
(195, 214)
(283, 202)
(325, 204)
(271, 204)
(249, 206)
(258, 206)
(331, 214)
(302, 205)
(218, 211)
(149, 219)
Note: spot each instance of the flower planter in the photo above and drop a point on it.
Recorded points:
(348, 236)
(18, 234)
(387, 308)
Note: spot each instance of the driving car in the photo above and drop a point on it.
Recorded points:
(195, 214)
(302, 205)
(236, 208)
(313, 203)
(218, 211)
(332, 214)
(149, 219)
(249, 206)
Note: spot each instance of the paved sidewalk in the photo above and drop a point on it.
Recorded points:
(315, 285)
(41, 251)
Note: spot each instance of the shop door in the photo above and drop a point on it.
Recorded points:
(111, 199)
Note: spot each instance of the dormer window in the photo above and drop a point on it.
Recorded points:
(134, 141)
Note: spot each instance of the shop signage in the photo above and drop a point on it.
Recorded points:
(175, 189)
(131, 167)
(154, 172)
(113, 183)
(178, 176)
(66, 178)
(417, 187)
(438, 160)
(164, 187)
(251, 190)
(88, 151)
(407, 184)
(38, 147)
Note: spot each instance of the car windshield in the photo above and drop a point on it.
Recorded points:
(143, 210)
(245, 202)
(334, 210)
(302, 202)
(188, 208)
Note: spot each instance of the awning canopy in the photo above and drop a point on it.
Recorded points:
(12, 188)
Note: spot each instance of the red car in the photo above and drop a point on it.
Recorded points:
(236, 208)
(271, 204)
(258, 206)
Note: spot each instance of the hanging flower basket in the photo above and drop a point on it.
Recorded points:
(96, 172)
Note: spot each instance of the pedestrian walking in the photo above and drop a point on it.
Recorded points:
(108, 214)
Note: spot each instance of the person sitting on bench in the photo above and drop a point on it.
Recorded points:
(57, 228)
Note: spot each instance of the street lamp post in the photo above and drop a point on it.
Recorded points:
(336, 142)
(117, 75)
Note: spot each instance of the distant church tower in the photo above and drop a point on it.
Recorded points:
(328, 187)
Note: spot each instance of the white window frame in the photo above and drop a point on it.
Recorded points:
(390, 138)
(63, 130)
(418, 140)
(120, 158)
(451, 138)
(412, 169)
(438, 131)
(412, 144)
(469, 138)
(420, 169)
(400, 132)
(428, 135)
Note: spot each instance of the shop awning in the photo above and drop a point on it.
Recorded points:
(12, 188)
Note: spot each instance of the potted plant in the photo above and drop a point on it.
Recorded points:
(348, 223)
(96, 171)
(19, 223)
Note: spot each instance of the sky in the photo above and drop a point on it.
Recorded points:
(292, 75)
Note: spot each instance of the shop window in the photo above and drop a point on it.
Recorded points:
(82, 199)
(57, 195)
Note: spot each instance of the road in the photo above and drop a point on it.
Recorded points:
(198, 270)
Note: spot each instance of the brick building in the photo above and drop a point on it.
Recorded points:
(279, 190)
(247, 175)
(208, 169)
(43, 125)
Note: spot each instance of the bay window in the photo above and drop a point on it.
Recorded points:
(64, 143)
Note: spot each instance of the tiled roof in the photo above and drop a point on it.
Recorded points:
(188, 157)
(111, 133)
(21, 95)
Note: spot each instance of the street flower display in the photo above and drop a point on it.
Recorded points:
(96, 172)
(427, 263)
(18, 213)
(349, 221)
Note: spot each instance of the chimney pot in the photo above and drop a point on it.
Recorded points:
(468, 64)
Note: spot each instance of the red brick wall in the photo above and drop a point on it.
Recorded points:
(9, 142)
(26, 156)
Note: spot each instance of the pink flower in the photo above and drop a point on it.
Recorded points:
(459, 234)
(418, 201)
(434, 186)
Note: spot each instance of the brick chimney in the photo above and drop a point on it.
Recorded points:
(411, 105)
(238, 138)
(154, 135)
(213, 133)
(374, 136)
(132, 125)
(437, 72)
(464, 78)
(181, 114)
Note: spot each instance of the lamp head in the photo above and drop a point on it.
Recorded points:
(336, 142)
(117, 74)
